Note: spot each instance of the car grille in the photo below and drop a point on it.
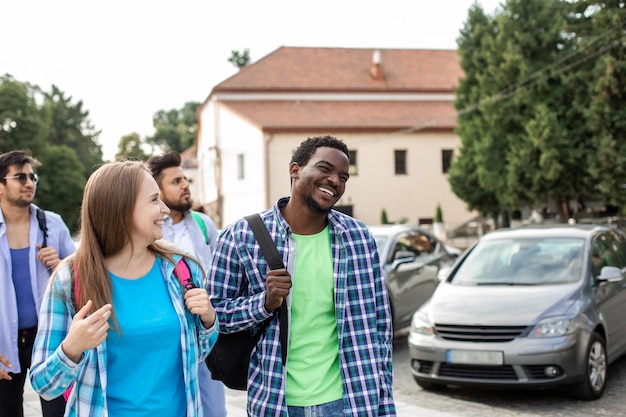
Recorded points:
(479, 333)
(500, 373)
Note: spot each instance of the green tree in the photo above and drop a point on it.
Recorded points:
(240, 59)
(438, 214)
(68, 124)
(61, 183)
(525, 122)
(131, 147)
(175, 129)
(59, 134)
(467, 178)
(383, 217)
(21, 124)
(606, 110)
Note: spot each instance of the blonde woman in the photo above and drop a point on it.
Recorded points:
(116, 324)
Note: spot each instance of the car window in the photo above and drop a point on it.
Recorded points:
(419, 244)
(618, 246)
(607, 250)
(523, 261)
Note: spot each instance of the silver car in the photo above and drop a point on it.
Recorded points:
(411, 259)
(540, 306)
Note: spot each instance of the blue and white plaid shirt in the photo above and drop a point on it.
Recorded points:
(52, 372)
(237, 287)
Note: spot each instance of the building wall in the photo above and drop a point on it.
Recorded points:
(375, 186)
(241, 196)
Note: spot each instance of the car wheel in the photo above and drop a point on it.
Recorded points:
(594, 381)
(428, 385)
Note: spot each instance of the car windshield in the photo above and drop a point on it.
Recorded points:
(522, 262)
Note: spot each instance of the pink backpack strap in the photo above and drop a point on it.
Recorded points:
(183, 273)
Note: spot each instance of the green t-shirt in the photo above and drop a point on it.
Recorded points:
(313, 374)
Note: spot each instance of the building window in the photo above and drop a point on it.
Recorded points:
(353, 168)
(240, 166)
(446, 160)
(400, 156)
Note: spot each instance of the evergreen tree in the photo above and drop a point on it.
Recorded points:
(68, 124)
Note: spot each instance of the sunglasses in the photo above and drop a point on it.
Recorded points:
(22, 178)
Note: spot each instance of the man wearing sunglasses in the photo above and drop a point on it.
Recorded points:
(24, 272)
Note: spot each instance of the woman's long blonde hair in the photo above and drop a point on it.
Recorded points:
(106, 223)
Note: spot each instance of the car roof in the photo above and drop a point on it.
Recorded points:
(553, 230)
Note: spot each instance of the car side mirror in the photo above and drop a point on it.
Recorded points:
(443, 273)
(402, 257)
(610, 274)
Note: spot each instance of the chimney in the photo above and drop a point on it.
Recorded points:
(376, 72)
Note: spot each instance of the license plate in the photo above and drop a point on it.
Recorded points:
(474, 357)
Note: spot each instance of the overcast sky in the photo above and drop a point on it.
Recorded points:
(127, 59)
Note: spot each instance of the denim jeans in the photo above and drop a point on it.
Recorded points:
(331, 409)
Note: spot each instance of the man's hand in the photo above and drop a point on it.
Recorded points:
(48, 256)
(5, 374)
(277, 287)
(86, 331)
(197, 302)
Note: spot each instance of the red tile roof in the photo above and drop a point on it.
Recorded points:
(348, 70)
(343, 71)
(346, 115)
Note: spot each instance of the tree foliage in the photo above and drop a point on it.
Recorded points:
(240, 59)
(21, 125)
(131, 147)
(61, 183)
(541, 106)
(175, 129)
(59, 134)
(68, 124)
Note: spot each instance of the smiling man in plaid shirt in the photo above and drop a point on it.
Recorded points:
(340, 335)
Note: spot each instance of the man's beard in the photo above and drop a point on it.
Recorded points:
(179, 206)
(314, 206)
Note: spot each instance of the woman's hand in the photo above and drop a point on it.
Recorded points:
(87, 331)
(197, 302)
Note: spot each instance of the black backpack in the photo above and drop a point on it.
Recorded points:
(41, 218)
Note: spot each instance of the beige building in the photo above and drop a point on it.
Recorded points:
(392, 107)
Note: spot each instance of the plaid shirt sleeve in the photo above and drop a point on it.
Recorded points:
(363, 320)
(52, 372)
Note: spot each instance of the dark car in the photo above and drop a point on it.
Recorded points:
(411, 259)
(540, 306)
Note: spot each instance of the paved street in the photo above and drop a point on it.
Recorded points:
(412, 401)
(236, 405)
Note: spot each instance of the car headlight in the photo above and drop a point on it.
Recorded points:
(421, 323)
(555, 327)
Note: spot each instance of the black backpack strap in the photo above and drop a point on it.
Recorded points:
(41, 218)
(272, 257)
(274, 261)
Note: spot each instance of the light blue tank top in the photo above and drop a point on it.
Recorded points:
(144, 359)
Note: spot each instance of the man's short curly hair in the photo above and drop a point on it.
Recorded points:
(158, 163)
(307, 148)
